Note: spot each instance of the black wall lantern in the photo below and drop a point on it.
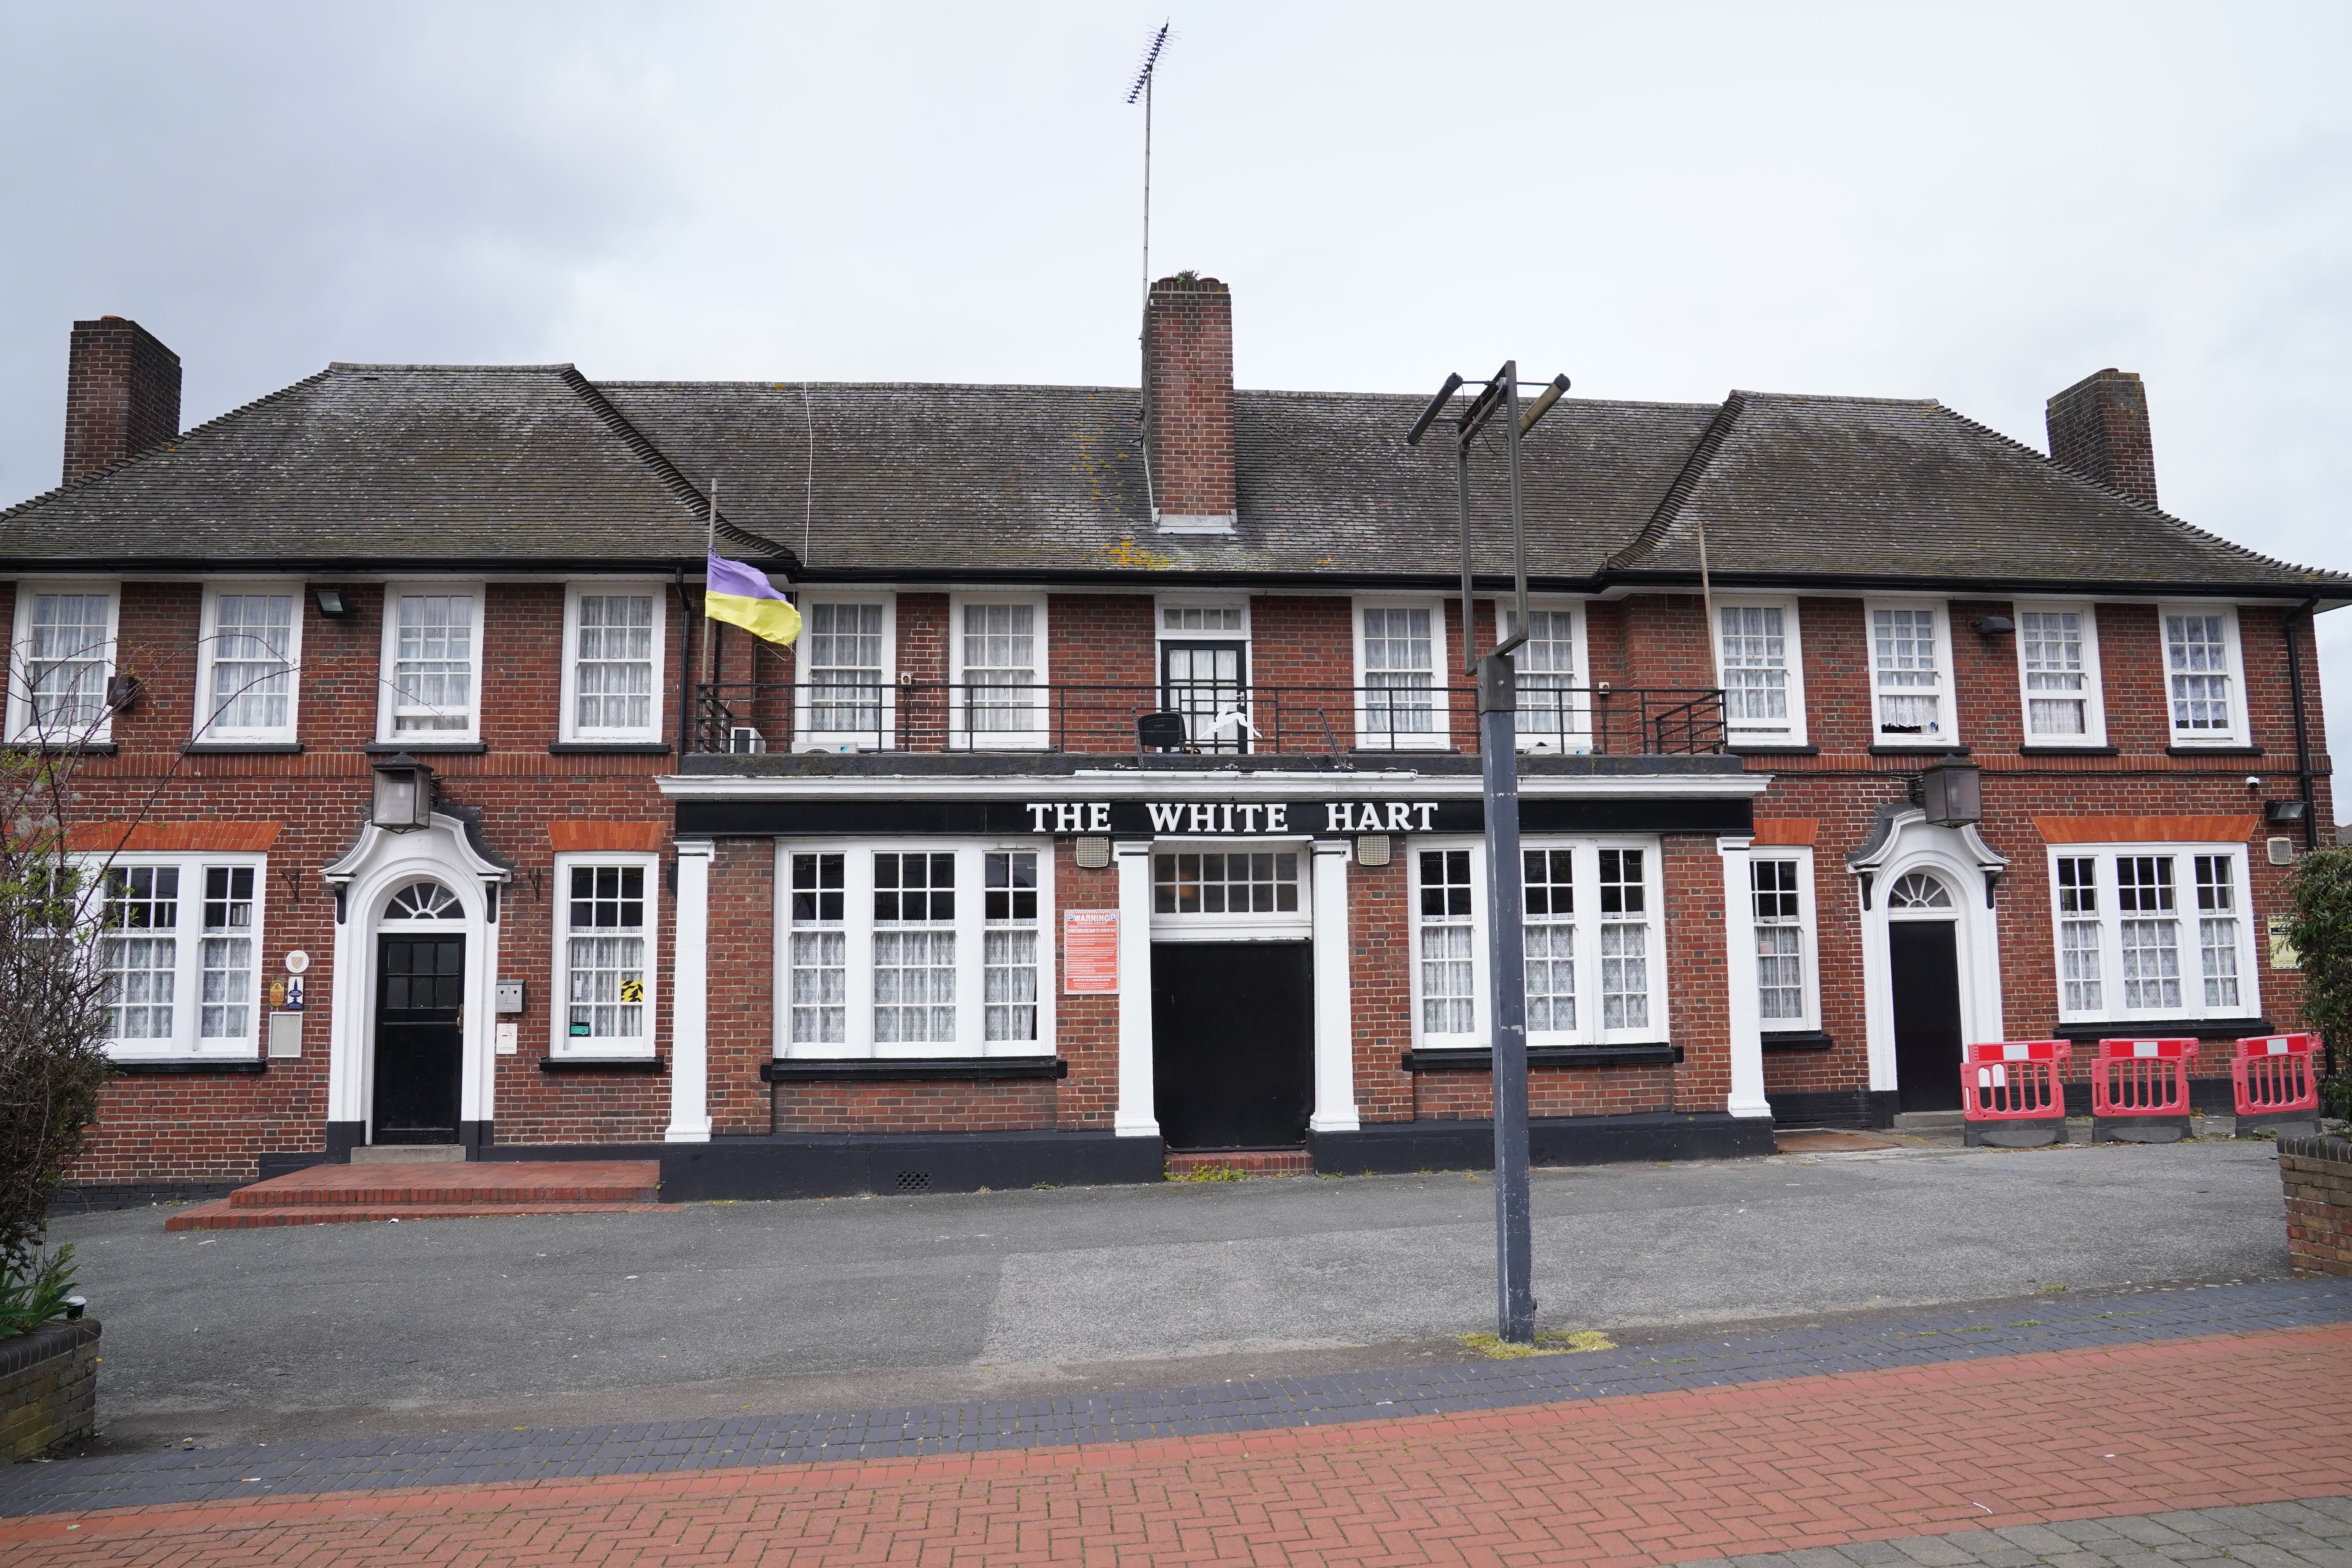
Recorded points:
(404, 794)
(1952, 793)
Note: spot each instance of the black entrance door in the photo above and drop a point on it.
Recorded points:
(1924, 959)
(420, 987)
(1233, 1042)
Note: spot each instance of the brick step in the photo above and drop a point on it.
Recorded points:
(537, 1182)
(1247, 1162)
(228, 1216)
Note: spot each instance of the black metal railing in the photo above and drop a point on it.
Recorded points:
(1208, 719)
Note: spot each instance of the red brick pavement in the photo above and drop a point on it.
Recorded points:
(1637, 1479)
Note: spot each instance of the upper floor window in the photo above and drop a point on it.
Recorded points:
(2058, 662)
(1910, 674)
(611, 678)
(1759, 661)
(65, 656)
(2153, 932)
(179, 952)
(998, 669)
(246, 661)
(432, 655)
(1400, 652)
(846, 671)
(2204, 686)
(1554, 712)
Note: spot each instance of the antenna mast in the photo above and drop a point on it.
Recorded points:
(1142, 89)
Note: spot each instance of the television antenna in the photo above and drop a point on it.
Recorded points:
(1142, 90)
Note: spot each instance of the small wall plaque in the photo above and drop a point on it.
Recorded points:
(285, 1036)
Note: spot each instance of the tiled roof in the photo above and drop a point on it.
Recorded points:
(385, 464)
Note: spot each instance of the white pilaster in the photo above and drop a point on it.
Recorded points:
(1137, 1117)
(1335, 1044)
(690, 994)
(1744, 1013)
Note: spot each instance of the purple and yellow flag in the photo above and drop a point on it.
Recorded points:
(736, 594)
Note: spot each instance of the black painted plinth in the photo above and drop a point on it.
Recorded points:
(832, 1165)
(1401, 1147)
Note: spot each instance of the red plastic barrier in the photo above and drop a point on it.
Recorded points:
(2013, 1080)
(2142, 1078)
(2275, 1073)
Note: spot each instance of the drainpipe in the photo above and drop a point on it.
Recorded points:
(2302, 725)
(684, 674)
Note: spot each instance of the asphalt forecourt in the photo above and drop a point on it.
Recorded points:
(368, 1331)
(1950, 1437)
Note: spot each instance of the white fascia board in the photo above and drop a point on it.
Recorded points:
(1157, 785)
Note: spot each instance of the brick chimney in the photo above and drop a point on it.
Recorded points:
(2098, 427)
(122, 394)
(1188, 404)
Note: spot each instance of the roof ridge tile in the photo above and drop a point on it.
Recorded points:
(688, 495)
(1670, 505)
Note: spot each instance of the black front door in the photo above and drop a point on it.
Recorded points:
(1233, 1042)
(420, 990)
(1924, 960)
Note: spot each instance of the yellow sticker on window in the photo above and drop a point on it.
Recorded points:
(633, 990)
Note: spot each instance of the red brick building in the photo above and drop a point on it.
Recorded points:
(435, 813)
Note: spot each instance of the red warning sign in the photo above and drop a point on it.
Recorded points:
(1089, 952)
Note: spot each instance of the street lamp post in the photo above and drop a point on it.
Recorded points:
(1498, 753)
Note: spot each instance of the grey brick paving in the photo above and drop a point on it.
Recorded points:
(2278, 1535)
(2320, 1534)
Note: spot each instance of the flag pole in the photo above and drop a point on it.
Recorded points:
(710, 548)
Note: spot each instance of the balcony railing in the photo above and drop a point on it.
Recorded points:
(1204, 718)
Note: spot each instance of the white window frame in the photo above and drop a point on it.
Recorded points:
(2095, 705)
(20, 675)
(2193, 1007)
(187, 1043)
(1587, 920)
(208, 655)
(1577, 741)
(571, 729)
(562, 1042)
(1039, 735)
(1222, 735)
(1273, 925)
(1378, 737)
(386, 686)
(1809, 923)
(2240, 733)
(806, 737)
(1948, 716)
(970, 927)
(1791, 731)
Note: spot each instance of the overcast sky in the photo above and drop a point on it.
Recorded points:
(1977, 202)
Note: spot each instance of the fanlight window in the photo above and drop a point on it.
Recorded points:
(1918, 891)
(424, 902)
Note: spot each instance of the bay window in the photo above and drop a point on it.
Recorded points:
(2160, 932)
(932, 951)
(1582, 897)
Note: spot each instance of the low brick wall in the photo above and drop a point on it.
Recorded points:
(48, 1387)
(2317, 1174)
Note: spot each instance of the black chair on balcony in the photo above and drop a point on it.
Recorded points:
(1162, 731)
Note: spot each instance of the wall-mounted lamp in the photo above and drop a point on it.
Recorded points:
(123, 692)
(404, 794)
(1372, 849)
(1995, 625)
(2283, 813)
(331, 603)
(1952, 793)
(1092, 853)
